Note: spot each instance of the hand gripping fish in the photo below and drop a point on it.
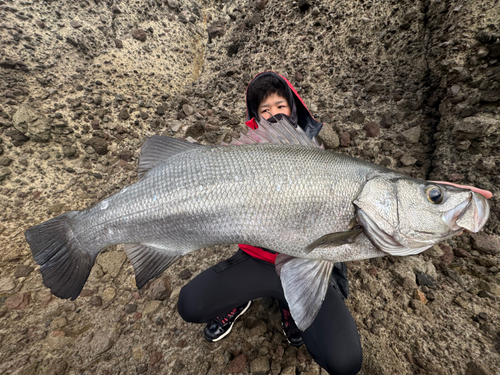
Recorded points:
(273, 188)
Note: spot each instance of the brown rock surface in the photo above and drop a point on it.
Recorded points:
(78, 98)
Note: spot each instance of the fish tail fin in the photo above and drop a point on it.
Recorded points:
(65, 264)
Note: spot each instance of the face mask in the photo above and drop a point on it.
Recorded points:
(274, 119)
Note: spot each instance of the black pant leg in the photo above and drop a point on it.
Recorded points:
(230, 283)
(332, 339)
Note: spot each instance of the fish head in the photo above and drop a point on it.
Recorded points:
(404, 216)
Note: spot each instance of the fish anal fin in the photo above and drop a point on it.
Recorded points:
(305, 282)
(148, 261)
(335, 239)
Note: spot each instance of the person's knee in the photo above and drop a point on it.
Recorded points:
(186, 306)
(346, 364)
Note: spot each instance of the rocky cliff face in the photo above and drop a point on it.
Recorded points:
(411, 85)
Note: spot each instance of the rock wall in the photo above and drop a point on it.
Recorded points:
(411, 85)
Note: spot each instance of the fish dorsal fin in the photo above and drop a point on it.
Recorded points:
(159, 148)
(305, 282)
(281, 131)
(148, 261)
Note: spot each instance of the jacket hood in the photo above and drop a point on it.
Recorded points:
(299, 112)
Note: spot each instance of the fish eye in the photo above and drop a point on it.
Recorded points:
(434, 194)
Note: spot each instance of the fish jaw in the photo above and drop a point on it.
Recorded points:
(471, 215)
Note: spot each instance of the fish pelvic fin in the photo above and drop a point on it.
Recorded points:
(335, 239)
(305, 282)
(65, 264)
(279, 131)
(148, 261)
(159, 148)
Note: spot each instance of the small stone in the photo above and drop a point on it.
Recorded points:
(185, 274)
(196, 130)
(139, 34)
(130, 308)
(126, 155)
(23, 271)
(40, 24)
(102, 341)
(357, 116)
(7, 284)
(151, 307)
(161, 288)
(187, 109)
(4, 173)
(372, 129)
(490, 287)
(118, 43)
(215, 29)
(75, 24)
(461, 302)
(412, 135)
(461, 253)
(99, 145)
(144, 115)
(18, 301)
(95, 301)
(485, 244)
(108, 294)
(408, 160)
(485, 294)
(345, 139)
(452, 274)
(424, 279)
(69, 151)
(175, 125)
(161, 110)
(124, 114)
(86, 292)
(237, 365)
(259, 365)
(155, 358)
(448, 255)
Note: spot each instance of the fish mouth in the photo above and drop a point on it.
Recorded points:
(470, 215)
(383, 240)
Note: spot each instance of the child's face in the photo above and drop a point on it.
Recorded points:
(274, 104)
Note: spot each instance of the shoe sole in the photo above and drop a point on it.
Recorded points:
(230, 328)
(297, 346)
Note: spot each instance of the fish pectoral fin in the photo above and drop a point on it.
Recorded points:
(304, 282)
(159, 148)
(148, 261)
(335, 239)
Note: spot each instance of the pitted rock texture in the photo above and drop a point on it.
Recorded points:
(411, 85)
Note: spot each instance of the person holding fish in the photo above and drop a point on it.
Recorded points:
(221, 294)
(297, 210)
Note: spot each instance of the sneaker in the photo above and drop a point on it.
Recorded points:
(220, 327)
(292, 333)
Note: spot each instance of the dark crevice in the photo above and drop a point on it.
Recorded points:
(434, 94)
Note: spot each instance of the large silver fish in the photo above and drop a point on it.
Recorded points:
(273, 188)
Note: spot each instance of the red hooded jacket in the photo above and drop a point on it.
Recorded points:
(299, 115)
